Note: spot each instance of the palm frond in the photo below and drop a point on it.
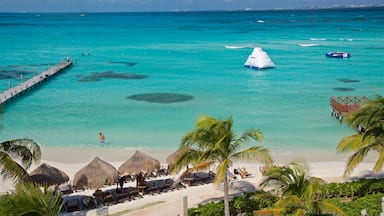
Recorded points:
(351, 143)
(30, 200)
(10, 169)
(257, 153)
(254, 134)
(26, 150)
(327, 207)
(355, 159)
(274, 178)
(287, 201)
(300, 212)
(189, 156)
(379, 162)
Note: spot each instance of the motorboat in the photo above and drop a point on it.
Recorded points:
(338, 55)
(259, 59)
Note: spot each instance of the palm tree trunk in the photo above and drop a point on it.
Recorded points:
(226, 201)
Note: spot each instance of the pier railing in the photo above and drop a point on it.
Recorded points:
(344, 105)
(29, 84)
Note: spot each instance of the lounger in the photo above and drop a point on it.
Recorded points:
(244, 173)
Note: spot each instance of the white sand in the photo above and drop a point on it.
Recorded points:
(328, 166)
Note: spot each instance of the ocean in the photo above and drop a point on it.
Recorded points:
(187, 64)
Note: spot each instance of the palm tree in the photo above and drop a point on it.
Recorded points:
(297, 189)
(371, 117)
(29, 199)
(213, 141)
(25, 151)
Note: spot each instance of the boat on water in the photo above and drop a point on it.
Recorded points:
(259, 59)
(338, 55)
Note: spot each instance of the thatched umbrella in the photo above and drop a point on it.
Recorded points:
(47, 175)
(138, 162)
(96, 174)
(172, 158)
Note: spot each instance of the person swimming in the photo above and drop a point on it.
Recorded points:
(101, 138)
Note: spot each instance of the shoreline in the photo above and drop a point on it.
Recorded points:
(325, 165)
(71, 159)
(73, 155)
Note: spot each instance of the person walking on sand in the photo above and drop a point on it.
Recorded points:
(101, 138)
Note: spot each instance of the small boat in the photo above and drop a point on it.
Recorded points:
(338, 55)
(259, 60)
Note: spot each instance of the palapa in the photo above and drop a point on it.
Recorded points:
(172, 158)
(138, 162)
(47, 175)
(95, 175)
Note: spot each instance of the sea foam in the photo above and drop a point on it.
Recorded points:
(317, 39)
(235, 47)
(308, 45)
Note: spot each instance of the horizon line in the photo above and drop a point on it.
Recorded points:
(215, 10)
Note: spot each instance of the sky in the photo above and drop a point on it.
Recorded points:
(167, 5)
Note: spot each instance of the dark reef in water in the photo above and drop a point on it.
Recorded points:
(348, 80)
(343, 89)
(129, 64)
(12, 74)
(97, 76)
(163, 98)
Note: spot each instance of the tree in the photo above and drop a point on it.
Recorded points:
(299, 192)
(213, 141)
(29, 199)
(371, 118)
(25, 151)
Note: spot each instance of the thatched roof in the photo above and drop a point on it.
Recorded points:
(172, 158)
(139, 161)
(47, 175)
(96, 174)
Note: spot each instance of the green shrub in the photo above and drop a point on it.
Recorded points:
(245, 204)
(210, 209)
(372, 203)
(351, 189)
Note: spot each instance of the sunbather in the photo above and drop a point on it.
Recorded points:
(244, 173)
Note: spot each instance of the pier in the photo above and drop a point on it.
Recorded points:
(341, 106)
(33, 82)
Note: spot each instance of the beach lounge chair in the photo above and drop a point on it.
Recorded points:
(178, 184)
(162, 172)
(78, 203)
(133, 193)
(153, 187)
(72, 205)
(244, 173)
(168, 183)
(65, 189)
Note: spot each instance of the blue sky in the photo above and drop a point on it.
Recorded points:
(165, 5)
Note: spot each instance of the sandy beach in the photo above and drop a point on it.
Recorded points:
(326, 165)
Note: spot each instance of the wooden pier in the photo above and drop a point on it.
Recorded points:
(344, 105)
(31, 83)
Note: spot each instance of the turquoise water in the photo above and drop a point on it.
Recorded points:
(199, 54)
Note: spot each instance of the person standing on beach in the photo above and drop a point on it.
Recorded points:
(101, 138)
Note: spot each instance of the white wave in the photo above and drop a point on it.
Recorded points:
(347, 39)
(235, 47)
(317, 39)
(308, 45)
(260, 21)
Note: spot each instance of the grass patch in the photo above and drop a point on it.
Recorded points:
(137, 208)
